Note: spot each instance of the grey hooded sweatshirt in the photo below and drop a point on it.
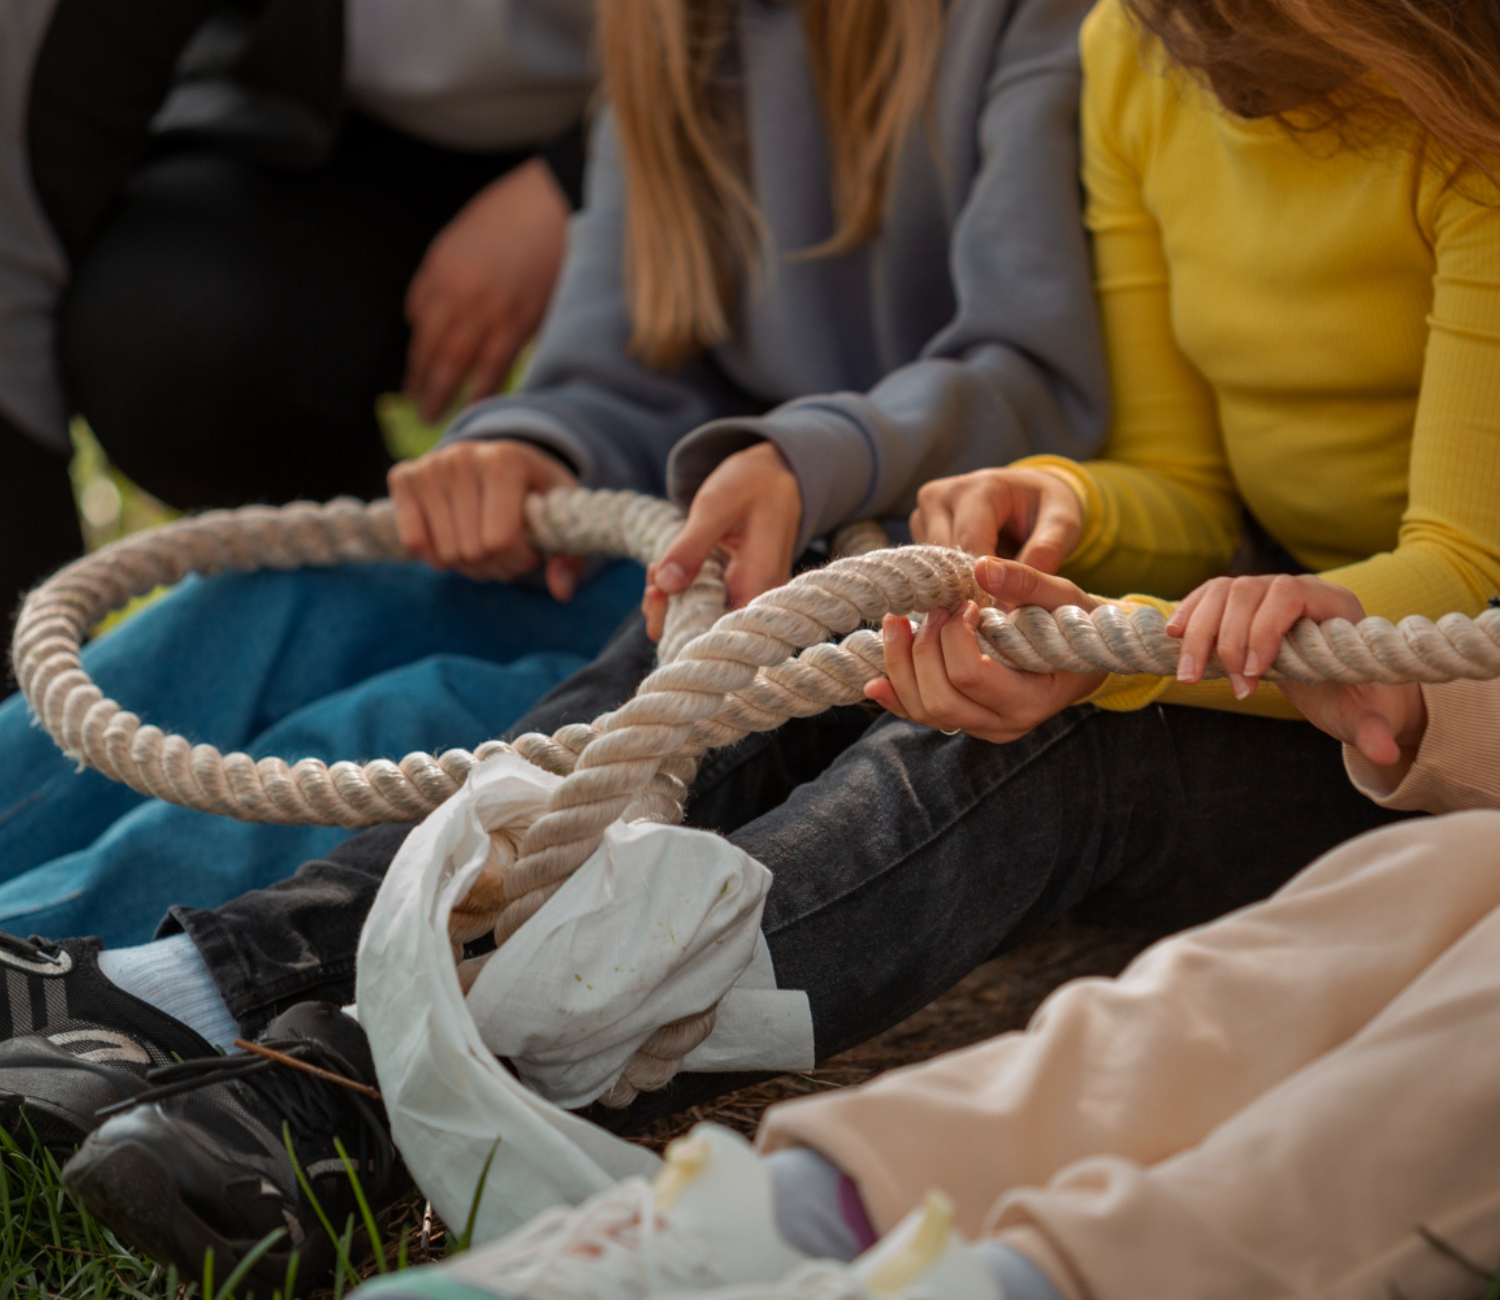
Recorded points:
(965, 335)
(464, 74)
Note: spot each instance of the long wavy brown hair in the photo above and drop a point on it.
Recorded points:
(694, 237)
(1346, 63)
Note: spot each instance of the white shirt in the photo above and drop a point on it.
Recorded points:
(471, 74)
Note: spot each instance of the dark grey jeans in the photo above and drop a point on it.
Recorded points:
(902, 857)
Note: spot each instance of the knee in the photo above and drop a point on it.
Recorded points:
(181, 350)
(161, 364)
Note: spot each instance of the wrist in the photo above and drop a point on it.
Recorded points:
(1413, 721)
(1058, 469)
(1088, 684)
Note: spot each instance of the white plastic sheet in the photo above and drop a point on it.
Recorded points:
(660, 922)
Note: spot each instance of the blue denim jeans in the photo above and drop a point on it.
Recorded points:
(902, 858)
(355, 662)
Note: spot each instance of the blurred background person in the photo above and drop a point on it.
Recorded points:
(227, 228)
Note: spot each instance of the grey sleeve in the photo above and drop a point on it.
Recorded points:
(1019, 369)
(586, 399)
(33, 269)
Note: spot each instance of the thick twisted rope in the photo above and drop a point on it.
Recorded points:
(96, 731)
(750, 670)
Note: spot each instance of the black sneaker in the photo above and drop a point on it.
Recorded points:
(200, 1162)
(71, 1042)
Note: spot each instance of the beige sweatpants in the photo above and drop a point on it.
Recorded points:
(1271, 1105)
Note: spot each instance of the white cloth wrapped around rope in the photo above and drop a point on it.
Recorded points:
(721, 677)
(453, 1106)
(659, 922)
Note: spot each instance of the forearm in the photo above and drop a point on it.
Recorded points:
(1430, 572)
(606, 440)
(865, 455)
(1159, 529)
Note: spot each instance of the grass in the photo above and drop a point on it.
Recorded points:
(51, 1248)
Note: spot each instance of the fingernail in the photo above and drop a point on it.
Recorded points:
(1252, 664)
(936, 620)
(870, 687)
(671, 578)
(990, 572)
(888, 627)
(971, 616)
(1243, 689)
(1187, 668)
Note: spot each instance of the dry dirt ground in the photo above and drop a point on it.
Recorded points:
(1000, 995)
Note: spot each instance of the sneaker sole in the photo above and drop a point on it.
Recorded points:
(36, 1125)
(132, 1191)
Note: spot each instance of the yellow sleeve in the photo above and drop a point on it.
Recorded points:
(1447, 553)
(1161, 512)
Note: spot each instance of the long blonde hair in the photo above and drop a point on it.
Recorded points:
(693, 232)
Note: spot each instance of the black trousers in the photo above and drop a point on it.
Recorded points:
(902, 858)
(234, 311)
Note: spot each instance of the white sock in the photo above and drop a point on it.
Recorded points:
(1017, 1276)
(814, 1203)
(171, 976)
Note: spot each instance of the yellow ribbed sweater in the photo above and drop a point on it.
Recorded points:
(1311, 330)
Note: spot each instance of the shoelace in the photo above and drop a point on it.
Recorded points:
(35, 948)
(612, 1239)
(313, 1107)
